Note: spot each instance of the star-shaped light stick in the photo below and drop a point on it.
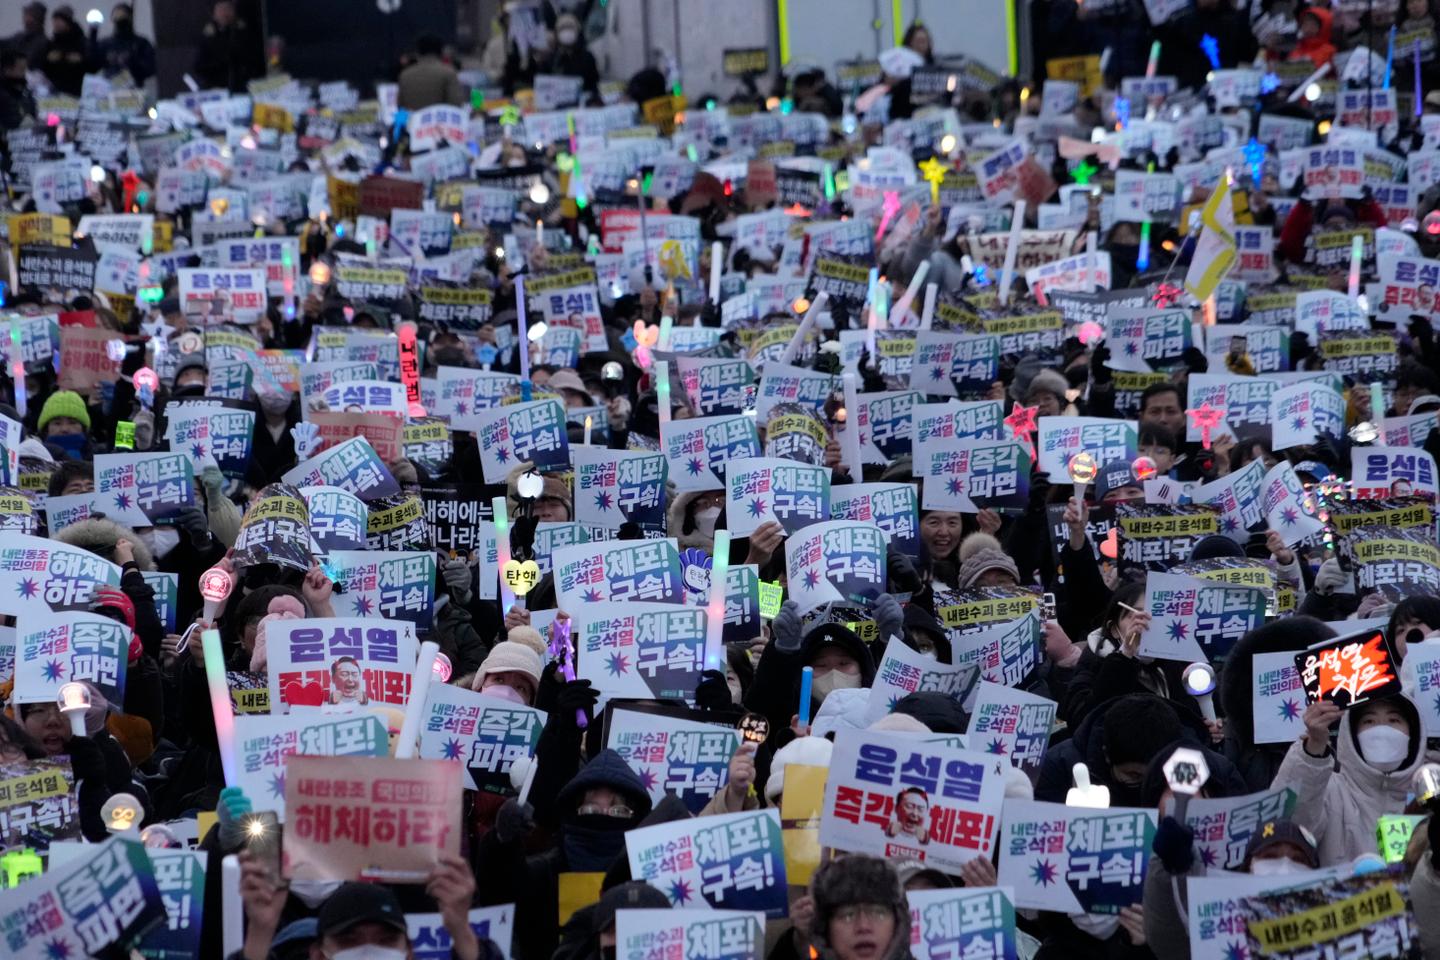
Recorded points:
(1205, 418)
(1022, 425)
(891, 207)
(934, 173)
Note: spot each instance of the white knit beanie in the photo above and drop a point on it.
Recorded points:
(509, 655)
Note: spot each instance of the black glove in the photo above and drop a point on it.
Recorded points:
(192, 521)
(785, 628)
(1175, 846)
(1039, 492)
(1432, 830)
(1195, 361)
(1099, 372)
(713, 692)
(514, 821)
(573, 696)
(1300, 349)
(87, 762)
(550, 681)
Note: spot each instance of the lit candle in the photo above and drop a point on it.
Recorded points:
(540, 234)
(588, 421)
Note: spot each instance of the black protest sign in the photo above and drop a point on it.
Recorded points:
(44, 267)
(454, 513)
(1349, 670)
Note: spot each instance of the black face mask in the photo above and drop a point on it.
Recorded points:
(189, 390)
(1123, 256)
(124, 27)
(592, 842)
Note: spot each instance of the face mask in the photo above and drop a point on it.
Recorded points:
(567, 37)
(504, 692)
(929, 655)
(189, 390)
(705, 520)
(1384, 748)
(1274, 868)
(160, 540)
(274, 404)
(823, 683)
(312, 893)
(370, 951)
(73, 444)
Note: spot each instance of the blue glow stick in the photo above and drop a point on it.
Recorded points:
(807, 676)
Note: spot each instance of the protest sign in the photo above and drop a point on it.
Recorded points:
(968, 475)
(397, 523)
(338, 520)
(1362, 916)
(1157, 536)
(698, 449)
(839, 561)
(37, 799)
(1216, 902)
(275, 530)
(1224, 825)
(1393, 562)
(1192, 619)
(690, 934)
(1289, 507)
(369, 818)
(1349, 670)
(522, 433)
(1379, 472)
(671, 755)
(734, 862)
(613, 487)
(429, 940)
(620, 571)
(53, 649)
(763, 489)
(1011, 723)
(892, 507)
(963, 923)
(644, 650)
(902, 671)
(1277, 698)
(1060, 438)
(262, 743)
(1073, 859)
(144, 489)
(346, 662)
(352, 466)
(484, 734)
(206, 432)
(1005, 651)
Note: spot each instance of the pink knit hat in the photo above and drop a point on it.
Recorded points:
(283, 607)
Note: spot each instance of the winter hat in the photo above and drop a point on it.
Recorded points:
(63, 403)
(635, 895)
(980, 553)
(841, 710)
(805, 751)
(32, 447)
(939, 712)
(1330, 578)
(282, 607)
(1138, 726)
(527, 637)
(189, 361)
(508, 655)
(1048, 381)
(114, 599)
(908, 870)
(1115, 475)
(1282, 830)
(1215, 546)
(569, 380)
(900, 723)
(854, 880)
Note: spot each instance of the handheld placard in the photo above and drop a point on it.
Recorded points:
(419, 687)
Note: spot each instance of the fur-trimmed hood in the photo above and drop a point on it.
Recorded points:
(98, 535)
(676, 522)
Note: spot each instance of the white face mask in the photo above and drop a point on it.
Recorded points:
(567, 37)
(504, 692)
(370, 951)
(830, 680)
(312, 893)
(160, 540)
(705, 520)
(1275, 868)
(1384, 748)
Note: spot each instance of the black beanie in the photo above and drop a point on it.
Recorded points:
(1139, 726)
(1215, 546)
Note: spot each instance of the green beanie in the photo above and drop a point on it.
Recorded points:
(64, 403)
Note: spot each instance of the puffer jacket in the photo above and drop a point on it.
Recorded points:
(1340, 796)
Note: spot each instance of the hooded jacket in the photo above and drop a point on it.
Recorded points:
(676, 522)
(1340, 795)
(502, 869)
(1318, 49)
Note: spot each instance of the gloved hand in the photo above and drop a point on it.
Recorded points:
(1175, 846)
(86, 760)
(617, 409)
(98, 710)
(458, 578)
(712, 692)
(230, 813)
(889, 617)
(193, 523)
(1039, 492)
(575, 695)
(785, 628)
(1331, 579)
(212, 479)
(144, 420)
(1195, 360)
(1099, 372)
(514, 821)
(307, 440)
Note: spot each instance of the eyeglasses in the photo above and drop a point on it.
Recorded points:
(618, 810)
(870, 911)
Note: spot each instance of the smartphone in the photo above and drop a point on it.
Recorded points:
(1047, 606)
(1237, 346)
(262, 838)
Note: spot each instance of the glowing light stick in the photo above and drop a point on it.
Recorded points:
(220, 702)
(17, 366)
(73, 700)
(715, 609)
(563, 647)
(1357, 256)
(1419, 91)
(502, 551)
(1142, 258)
(667, 323)
(1205, 418)
(415, 704)
(522, 338)
(410, 367)
(215, 585)
(1092, 239)
(806, 322)
(807, 677)
(1082, 469)
(903, 304)
(717, 259)
(662, 390)
(1145, 468)
(1313, 78)
(850, 437)
(928, 314)
(146, 382)
(287, 270)
(1377, 401)
(1153, 63)
(1389, 57)
(1012, 248)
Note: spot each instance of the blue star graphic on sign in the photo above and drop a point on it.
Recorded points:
(603, 500)
(1228, 524)
(1236, 951)
(502, 454)
(1178, 630)
(812, 579)
(451, 749)
(363, 605)
(1289, 516)
(694, 466)
(1297, 424)
(996, 746)
(617, 664)
(680, 892)
(1290, 709)
(757, 507)
(1043, 872)
(592, 595)
(57, 949)
(937, 373)
(648, 779)
(1207, 856)
(27, 587)
(954, 485)
(122, 502)
(52, 671)
(277, 785)
(1131, 348)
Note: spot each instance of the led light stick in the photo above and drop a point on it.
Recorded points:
(903, 304)
(415, 704)
(410, 367)
(1357, 256)
(146, 382)
(1199, 681)
(806, 322)
(563, 645)
(522, 336)
(1313, 78)
(715, 609)
(1012, 249)
(287, 269)
(215, 585)
(502, 552)
(850, 437)
(220, 702)
(1377, 401)
(17, 364)
(1153, 63)
(807, 676)
(1082, 469)
(662, 390)
(928, 314)
(73, 700)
